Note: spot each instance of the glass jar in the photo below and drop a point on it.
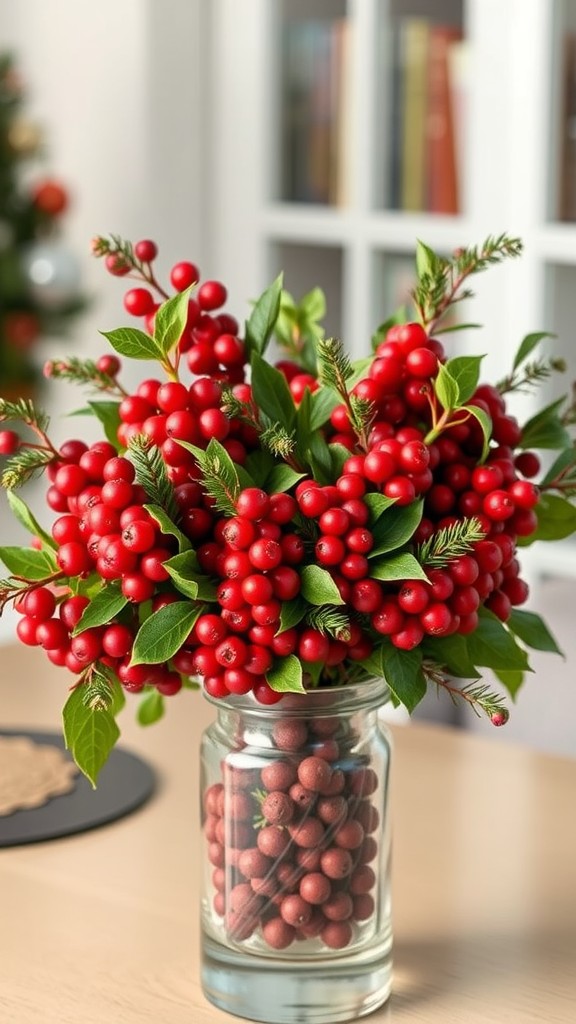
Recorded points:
(296, 900)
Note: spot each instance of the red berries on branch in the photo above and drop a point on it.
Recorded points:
(265, 529)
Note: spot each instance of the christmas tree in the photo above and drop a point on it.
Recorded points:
(39, 287)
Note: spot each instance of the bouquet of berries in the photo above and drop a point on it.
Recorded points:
(270, 528)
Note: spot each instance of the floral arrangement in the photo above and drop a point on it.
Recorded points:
(275, 528)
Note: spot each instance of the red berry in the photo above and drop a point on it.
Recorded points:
(138, 301)
(146, 250)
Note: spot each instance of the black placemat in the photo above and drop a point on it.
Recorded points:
(124, 784)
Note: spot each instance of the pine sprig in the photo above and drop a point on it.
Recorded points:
(26, 463)
(334, 370)
(219, 477)
(330, 622)
(278, 441)
(85, 372)
(441, 280)
(334, 366)
(24, 409)
(235, 409)
(449, 542)
(152, 475)
(531, 376)
(478, 696)
(9, 590)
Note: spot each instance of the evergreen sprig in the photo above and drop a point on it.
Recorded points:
(25, 464)
(334, 370)
(449, 542)
(24, 409)
(85, 372)
(152, 475)
(334, 366)
(278, 441)
(236, 409)
(330, 622)
(531, 376)
(478, 696)
(440, 279)
(219, 476)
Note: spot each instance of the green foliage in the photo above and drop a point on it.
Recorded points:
(285, 676)
(260, 325)
(219, 475)
(151, 708)
(28, 563)
(395, 526)
(152, 474)
(133, 343)
(318, 587)
(102, 608)
(170, 321)
(22, 513)
(271, 393)
(90, 729)
(164, 632)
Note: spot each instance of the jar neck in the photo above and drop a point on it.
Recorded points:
(240, 716)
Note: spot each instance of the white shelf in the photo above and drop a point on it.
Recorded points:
(513, 135)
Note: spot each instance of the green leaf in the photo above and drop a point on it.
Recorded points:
(527, 346)
(260, 325)
(491, 645)
(102, 608)
(188, 579)
(170, 320)
(319, 459)
(404, 676)
(313, 305)
(512, 679)
(259, 464)
(446, 389)
(556, 519)
(545, 430)
(456, 327)
(151, 708)
(24, 516)
(168, 526)
(107, 413)
(395, 525)
(281, 478)
(373, 664)
(285, 676)
(425, 260)
(164, 632)
(486, 424)
(377, 503)
(90, 733)
(338, 456)
(566, 459)
(322, 402)
(318, 587)
(398, 567)
(465, 370)
(133, 343)
(452, 653)
(292, 612)
(271, 393)
(360, 369)
(27, 562)
(533, 631)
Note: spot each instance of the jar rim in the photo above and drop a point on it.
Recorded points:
(327, 700)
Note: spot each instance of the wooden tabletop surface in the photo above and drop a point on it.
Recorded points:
(101, 928)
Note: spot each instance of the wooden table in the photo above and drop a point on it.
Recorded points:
(101, 928)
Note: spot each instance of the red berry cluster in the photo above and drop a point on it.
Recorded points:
(447, 474)
(292, 844)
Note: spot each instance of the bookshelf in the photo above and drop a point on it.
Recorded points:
(511, 95)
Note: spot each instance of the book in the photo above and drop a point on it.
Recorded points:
(315, 109)
(342, 99)
(440, 152)
(414, 36)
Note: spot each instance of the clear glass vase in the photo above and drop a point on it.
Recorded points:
(296, 899)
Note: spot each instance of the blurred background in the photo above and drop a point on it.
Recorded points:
(322, 138)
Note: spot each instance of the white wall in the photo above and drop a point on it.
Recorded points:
(118, 90)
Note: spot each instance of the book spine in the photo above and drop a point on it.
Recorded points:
(415, 35)
(442, 193)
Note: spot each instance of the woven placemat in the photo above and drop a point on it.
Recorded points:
(43, 796)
